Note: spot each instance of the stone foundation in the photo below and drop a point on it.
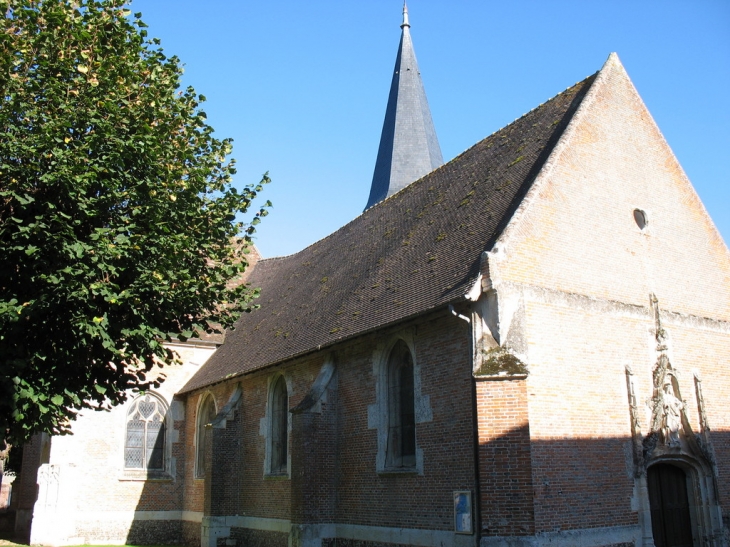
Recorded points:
(618, 536)
(139, 532)
(254, 538)
(342, 542)
(190, 533)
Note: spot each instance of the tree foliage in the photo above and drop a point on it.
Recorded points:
(118, 226)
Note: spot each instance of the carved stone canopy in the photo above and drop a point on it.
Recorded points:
(670, 432)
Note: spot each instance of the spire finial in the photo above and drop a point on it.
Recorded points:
(408, 147)
(405, 16)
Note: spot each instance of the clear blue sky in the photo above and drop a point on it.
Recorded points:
(301, 87)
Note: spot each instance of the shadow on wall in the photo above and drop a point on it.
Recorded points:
(526, 488)
(559, 485)
(157, 451)
(7, 508)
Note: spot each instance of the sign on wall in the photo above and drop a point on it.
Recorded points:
(462, 512)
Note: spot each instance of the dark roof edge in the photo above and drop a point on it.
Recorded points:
(468, 283)
(374, 207)
(546, 157)
(504, 234)
(428, 312)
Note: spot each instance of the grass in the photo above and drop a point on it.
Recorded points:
(8, 543)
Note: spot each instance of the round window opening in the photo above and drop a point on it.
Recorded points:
(640, 218)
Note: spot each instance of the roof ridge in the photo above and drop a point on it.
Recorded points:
(513, 122)
(271, 258)
(388, 198)
(561, 144)
(397, 260)
(522, 116)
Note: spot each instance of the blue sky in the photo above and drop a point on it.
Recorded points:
(301, 87)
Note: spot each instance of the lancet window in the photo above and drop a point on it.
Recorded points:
(206, 414)
(401, 449)
(279, 433)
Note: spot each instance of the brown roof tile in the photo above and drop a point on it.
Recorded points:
(416, 251)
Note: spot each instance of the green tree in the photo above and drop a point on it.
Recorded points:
(118, 219)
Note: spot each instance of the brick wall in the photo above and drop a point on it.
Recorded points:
(505, 463)
(333, 469)
(90, 487)
(579, 415)
(574, 277)
(194, 487)
(707, 353)
(576, 231)
(314, 454)
(443, 352)
(222, 464)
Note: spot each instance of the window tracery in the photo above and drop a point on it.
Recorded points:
(144, 446)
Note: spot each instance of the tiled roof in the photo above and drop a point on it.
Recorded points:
(416, 251)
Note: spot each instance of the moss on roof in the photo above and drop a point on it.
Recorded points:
(416, 251)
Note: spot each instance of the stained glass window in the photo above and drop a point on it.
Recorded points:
(144, 447)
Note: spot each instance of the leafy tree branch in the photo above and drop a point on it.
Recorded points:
(118, 217)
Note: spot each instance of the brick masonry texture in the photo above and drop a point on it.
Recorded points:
(614, 161)
(578, 234)
(222, 478)
(314, 467)
(443, 353)
(505, 459)
(579, 419)
(194, 486)
(567, 279)
(336, 442)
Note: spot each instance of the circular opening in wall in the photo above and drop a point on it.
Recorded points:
(640, 218)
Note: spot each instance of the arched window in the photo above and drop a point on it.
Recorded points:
(279, 434)
(144, 446)
(206, 414)
(401, 449)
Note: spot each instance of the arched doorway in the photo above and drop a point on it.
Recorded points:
(671, 523)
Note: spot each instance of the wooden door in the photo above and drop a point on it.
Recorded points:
(670, 519)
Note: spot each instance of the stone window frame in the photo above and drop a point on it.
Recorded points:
(199, 443)
(267, 428)
(379, 414)
(400, 450)
(144, 473)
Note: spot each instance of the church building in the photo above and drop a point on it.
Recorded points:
(528, 345)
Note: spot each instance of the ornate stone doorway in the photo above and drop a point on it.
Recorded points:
(670, 510)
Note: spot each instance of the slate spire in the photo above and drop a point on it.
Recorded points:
(409, 148)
